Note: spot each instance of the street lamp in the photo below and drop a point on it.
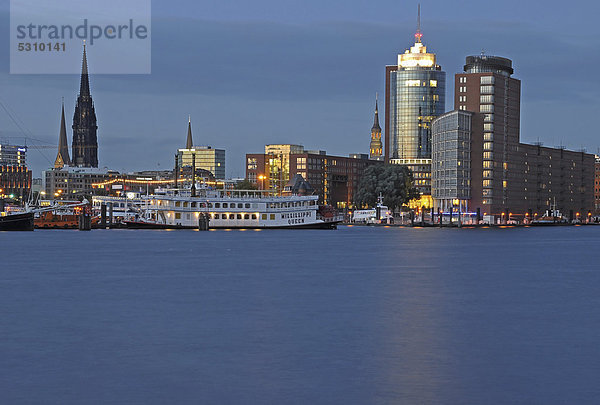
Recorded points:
(261, 178)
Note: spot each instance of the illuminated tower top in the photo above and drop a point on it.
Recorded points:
(417, 57)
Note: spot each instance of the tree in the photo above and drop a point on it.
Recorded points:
(394, 182)
(245, 185)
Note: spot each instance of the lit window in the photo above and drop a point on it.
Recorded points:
(412, 83)
(487, 80)
(433, 83)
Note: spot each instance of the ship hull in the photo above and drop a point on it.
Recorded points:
(17, 222)
(150, 225)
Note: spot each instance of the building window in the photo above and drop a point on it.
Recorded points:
(488, 127)
(433, 83)
(487, 80)
(412, 83)
(488, 136)
(487, 90)
(488, 146)
(488, 118)
(486, 108)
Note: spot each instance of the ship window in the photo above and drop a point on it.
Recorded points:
(193, 205)
(187, 216)
(217, 205)
(178, 215)
(264, 217)
(239, 216)
(185, 204)
(210, 205)
(178, 203)
(272, 217)
(223, 216)
(240, 205)
(254, 216)
(247, 205)
(224, 205)
(246, 216)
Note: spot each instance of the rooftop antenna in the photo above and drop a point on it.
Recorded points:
(418, 34)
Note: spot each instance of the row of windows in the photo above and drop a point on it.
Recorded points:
(487, 90)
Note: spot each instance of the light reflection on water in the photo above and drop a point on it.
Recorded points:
(358, 315)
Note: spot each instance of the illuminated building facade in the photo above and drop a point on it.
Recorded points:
(71, 182)
(206, 158)
(415, 95)
(15, 177)
(479, 164)
(333, 178)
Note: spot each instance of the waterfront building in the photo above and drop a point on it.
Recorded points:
(479, 163)
(376, 146)
(15, 176)
(13, 155)
(333, 178)
(71, 182)
(201, 157)
(415, 92)
(85, 141)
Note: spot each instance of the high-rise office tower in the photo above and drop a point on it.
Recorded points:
(85, 141)
(480, 165)
(486, 87)
(415, 95)
(376, 147)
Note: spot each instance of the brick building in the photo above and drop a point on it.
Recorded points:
(334, 178)
(480, 164)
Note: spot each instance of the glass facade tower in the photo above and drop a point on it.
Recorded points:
(417, 90)
(415, 96)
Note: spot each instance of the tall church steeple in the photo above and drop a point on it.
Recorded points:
(190, 143)
(62, 158)
(85, 142)
(376, 147)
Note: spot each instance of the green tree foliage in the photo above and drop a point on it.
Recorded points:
(394, 182)
(245, 185)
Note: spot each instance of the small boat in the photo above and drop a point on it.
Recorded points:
(16, 221)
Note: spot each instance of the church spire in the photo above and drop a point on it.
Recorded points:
(85, 127)
(376, 146)
(376, 120)
(62, 158)
(84, 87)
(189, 144)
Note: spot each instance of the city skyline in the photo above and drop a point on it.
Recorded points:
(318, 107)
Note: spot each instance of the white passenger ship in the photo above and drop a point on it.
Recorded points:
(173, 209)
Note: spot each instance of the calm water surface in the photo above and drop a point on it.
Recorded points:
(354, 316)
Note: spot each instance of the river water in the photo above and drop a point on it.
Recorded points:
(358, 315)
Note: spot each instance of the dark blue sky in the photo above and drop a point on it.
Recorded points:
(272, 71)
